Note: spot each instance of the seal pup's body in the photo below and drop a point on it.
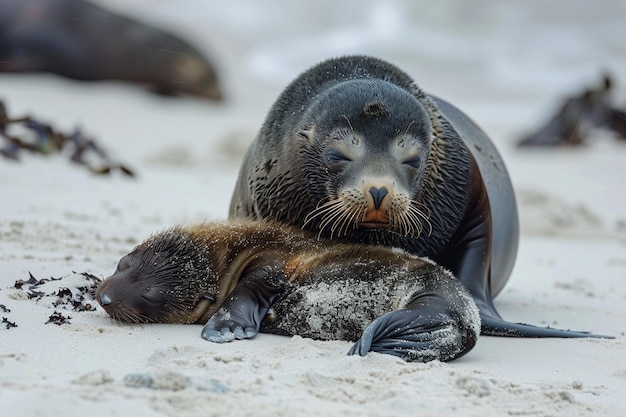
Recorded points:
(229, 276)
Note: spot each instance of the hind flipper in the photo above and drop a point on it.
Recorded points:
(496, 326)
(429, 330)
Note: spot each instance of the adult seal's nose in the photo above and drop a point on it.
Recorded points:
(105, 300)
(378, 194)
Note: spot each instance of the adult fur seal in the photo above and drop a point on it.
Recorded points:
(354, 150)
(80, 40)
(228, 275)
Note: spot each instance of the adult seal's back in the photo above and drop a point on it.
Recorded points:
(354, 150)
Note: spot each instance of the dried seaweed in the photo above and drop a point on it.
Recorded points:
(32, 281)
(41, 138)
(8, 324)
(58, 318)
(70, 297)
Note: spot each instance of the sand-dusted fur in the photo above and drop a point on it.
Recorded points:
(241, 277)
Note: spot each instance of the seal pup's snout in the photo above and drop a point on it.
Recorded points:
(104, 300)
(102, 296)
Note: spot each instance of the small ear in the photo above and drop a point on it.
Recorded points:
(304, 133)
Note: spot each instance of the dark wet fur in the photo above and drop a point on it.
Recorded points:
(285, 178)
(271, 190)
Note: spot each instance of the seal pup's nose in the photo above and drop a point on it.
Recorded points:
(105, 300)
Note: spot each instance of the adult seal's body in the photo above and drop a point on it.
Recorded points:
(82, 41)
(229, 275)
(354, 150)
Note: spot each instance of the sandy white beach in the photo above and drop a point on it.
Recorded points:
(507, 66)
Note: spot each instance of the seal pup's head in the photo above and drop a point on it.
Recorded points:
(169, 278)
(374, 141)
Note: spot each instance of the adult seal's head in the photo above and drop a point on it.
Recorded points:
(354, 150)
(371, 141)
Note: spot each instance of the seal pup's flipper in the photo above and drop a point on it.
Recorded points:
(428, 329)
(241, 314)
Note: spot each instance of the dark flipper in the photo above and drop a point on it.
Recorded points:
(241, 314)
(496, 326)
(492, 324)
(430, 329)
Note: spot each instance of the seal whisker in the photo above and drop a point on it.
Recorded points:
(415, 209)
(349, 124)
(406, 131)
(414, 222)
(343, 219)
(331, 205)
(320, 210)
(337, 224)
(407, 226)
(129, 317)
(355, 215)
(402, 219)
(337, 212)
(348, 219)
(423, 208)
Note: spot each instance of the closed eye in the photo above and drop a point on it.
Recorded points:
(333, 155)
(413, 162)
(153, 296)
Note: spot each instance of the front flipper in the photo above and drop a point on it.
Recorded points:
(429, 330)
(242, 313)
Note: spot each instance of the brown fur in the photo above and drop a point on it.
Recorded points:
(188, 274)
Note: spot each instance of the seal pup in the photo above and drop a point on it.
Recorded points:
(354, 150)
(82, 41)
(243, 277)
